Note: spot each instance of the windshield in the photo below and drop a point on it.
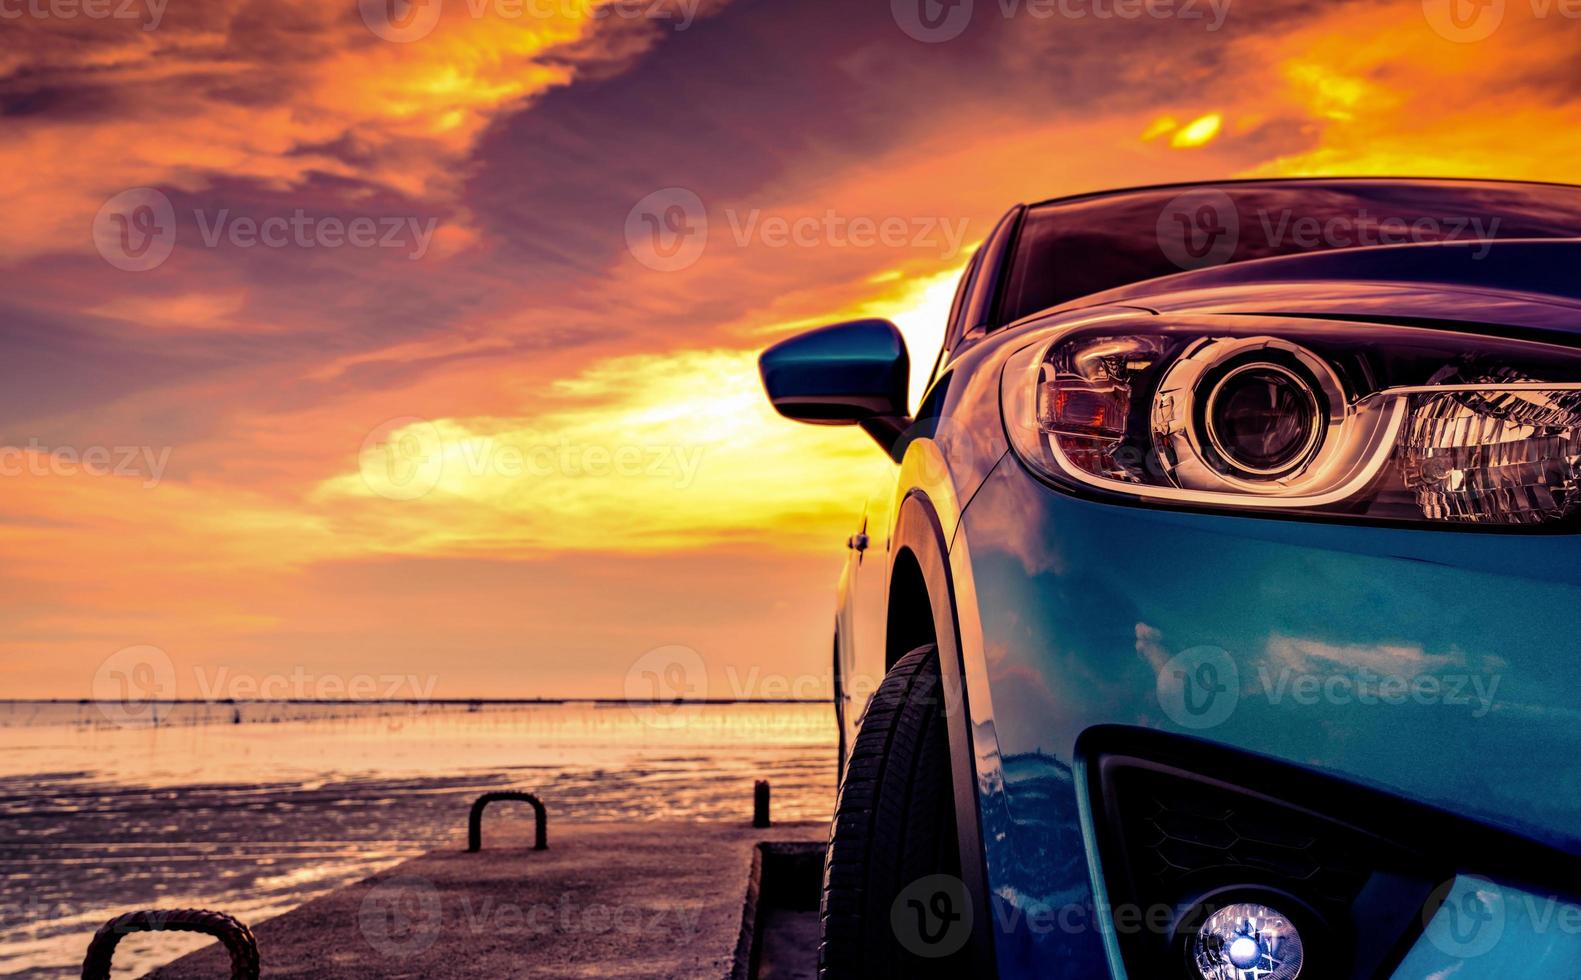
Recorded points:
(1070, 249)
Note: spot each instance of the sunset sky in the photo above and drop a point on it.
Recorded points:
(510, 445)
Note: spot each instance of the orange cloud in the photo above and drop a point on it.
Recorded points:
(191, 310)
(1377, 90)
(604, 417)
(640, 453)
(275, 93)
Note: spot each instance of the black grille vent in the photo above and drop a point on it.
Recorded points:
(1189, 825)
(1186, 836)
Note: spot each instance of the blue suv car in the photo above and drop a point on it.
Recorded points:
(1222, 621)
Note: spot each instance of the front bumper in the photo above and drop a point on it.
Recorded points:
(1438, 667)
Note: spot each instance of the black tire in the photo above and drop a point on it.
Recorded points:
(893, 837)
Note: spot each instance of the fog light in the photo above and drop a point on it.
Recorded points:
(1248, 942)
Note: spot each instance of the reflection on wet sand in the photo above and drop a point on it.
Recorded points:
(295, 800)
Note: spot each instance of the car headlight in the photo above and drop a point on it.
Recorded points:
(1380, 423)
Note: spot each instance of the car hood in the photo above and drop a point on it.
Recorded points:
(1524, 286)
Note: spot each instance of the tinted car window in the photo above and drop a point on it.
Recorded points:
(1070, 249)
(957, 325)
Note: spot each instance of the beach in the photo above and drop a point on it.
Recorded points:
(254, 809)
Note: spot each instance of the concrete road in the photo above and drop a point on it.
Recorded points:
(606, 900)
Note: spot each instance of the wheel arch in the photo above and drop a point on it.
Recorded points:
(910, 620)
(923, 603)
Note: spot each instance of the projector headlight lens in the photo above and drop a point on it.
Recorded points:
(1248, 942)
(1263, 419)
(1386, 423)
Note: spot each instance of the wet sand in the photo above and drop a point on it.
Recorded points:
(168, 819)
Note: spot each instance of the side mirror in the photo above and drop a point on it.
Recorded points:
(853, 373)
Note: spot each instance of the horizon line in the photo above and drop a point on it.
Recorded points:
(419, 701)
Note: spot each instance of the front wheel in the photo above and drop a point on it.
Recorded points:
(893, 904)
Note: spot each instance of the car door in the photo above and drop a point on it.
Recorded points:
(864, 606)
